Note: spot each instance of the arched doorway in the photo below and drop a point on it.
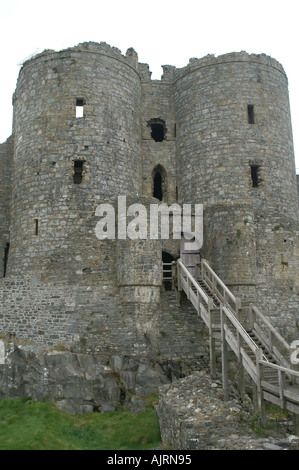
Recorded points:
(159, 183)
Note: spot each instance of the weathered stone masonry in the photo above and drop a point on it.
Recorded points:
(216, 132)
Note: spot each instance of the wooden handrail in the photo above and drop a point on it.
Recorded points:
(193, 281)
(269, 336)
(219, 288)
(205, 265)
(240, 329)
(277, 367)
(269, 325)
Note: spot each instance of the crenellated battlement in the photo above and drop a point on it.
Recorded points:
(230, 58)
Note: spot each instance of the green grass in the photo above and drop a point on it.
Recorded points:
(274, 419)
(30, 425)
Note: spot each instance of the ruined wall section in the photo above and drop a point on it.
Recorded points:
(49, 139)
(6, 162)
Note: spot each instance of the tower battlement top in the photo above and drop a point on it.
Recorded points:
(170, 72)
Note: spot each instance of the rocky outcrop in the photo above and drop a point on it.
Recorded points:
(78, 382)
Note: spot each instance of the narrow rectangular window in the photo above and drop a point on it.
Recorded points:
(6, 251)
(79, 108)
(78, 171)
(250, 112)
(35, 226)
(254, 169)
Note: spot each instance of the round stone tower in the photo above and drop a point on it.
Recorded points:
(77, 142)
(234, 135)
(234, 153)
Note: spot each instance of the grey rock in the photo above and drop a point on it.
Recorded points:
(270, 446)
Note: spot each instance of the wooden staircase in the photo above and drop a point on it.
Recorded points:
(260, 350)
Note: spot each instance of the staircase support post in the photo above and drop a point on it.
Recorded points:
(224, 358)
(259, 390)
(240, 368)
(178, 290)
(174, 275)
(238, 309)
(212, 340)
(212, 356)
(296, 424)
(254, 397)
(252, 317)
(241, 381)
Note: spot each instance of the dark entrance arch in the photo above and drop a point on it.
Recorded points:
(159, 183)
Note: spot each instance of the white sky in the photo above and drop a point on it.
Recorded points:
(165, 32)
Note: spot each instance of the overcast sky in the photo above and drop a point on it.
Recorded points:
(165, 32)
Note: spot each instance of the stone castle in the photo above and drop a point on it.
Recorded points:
(90, 125)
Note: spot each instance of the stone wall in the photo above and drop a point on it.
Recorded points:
(6, 162)
(99, 320)
(278, 268)
(49, 313)
(193, 416)
(229, 233)
(261, 249)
